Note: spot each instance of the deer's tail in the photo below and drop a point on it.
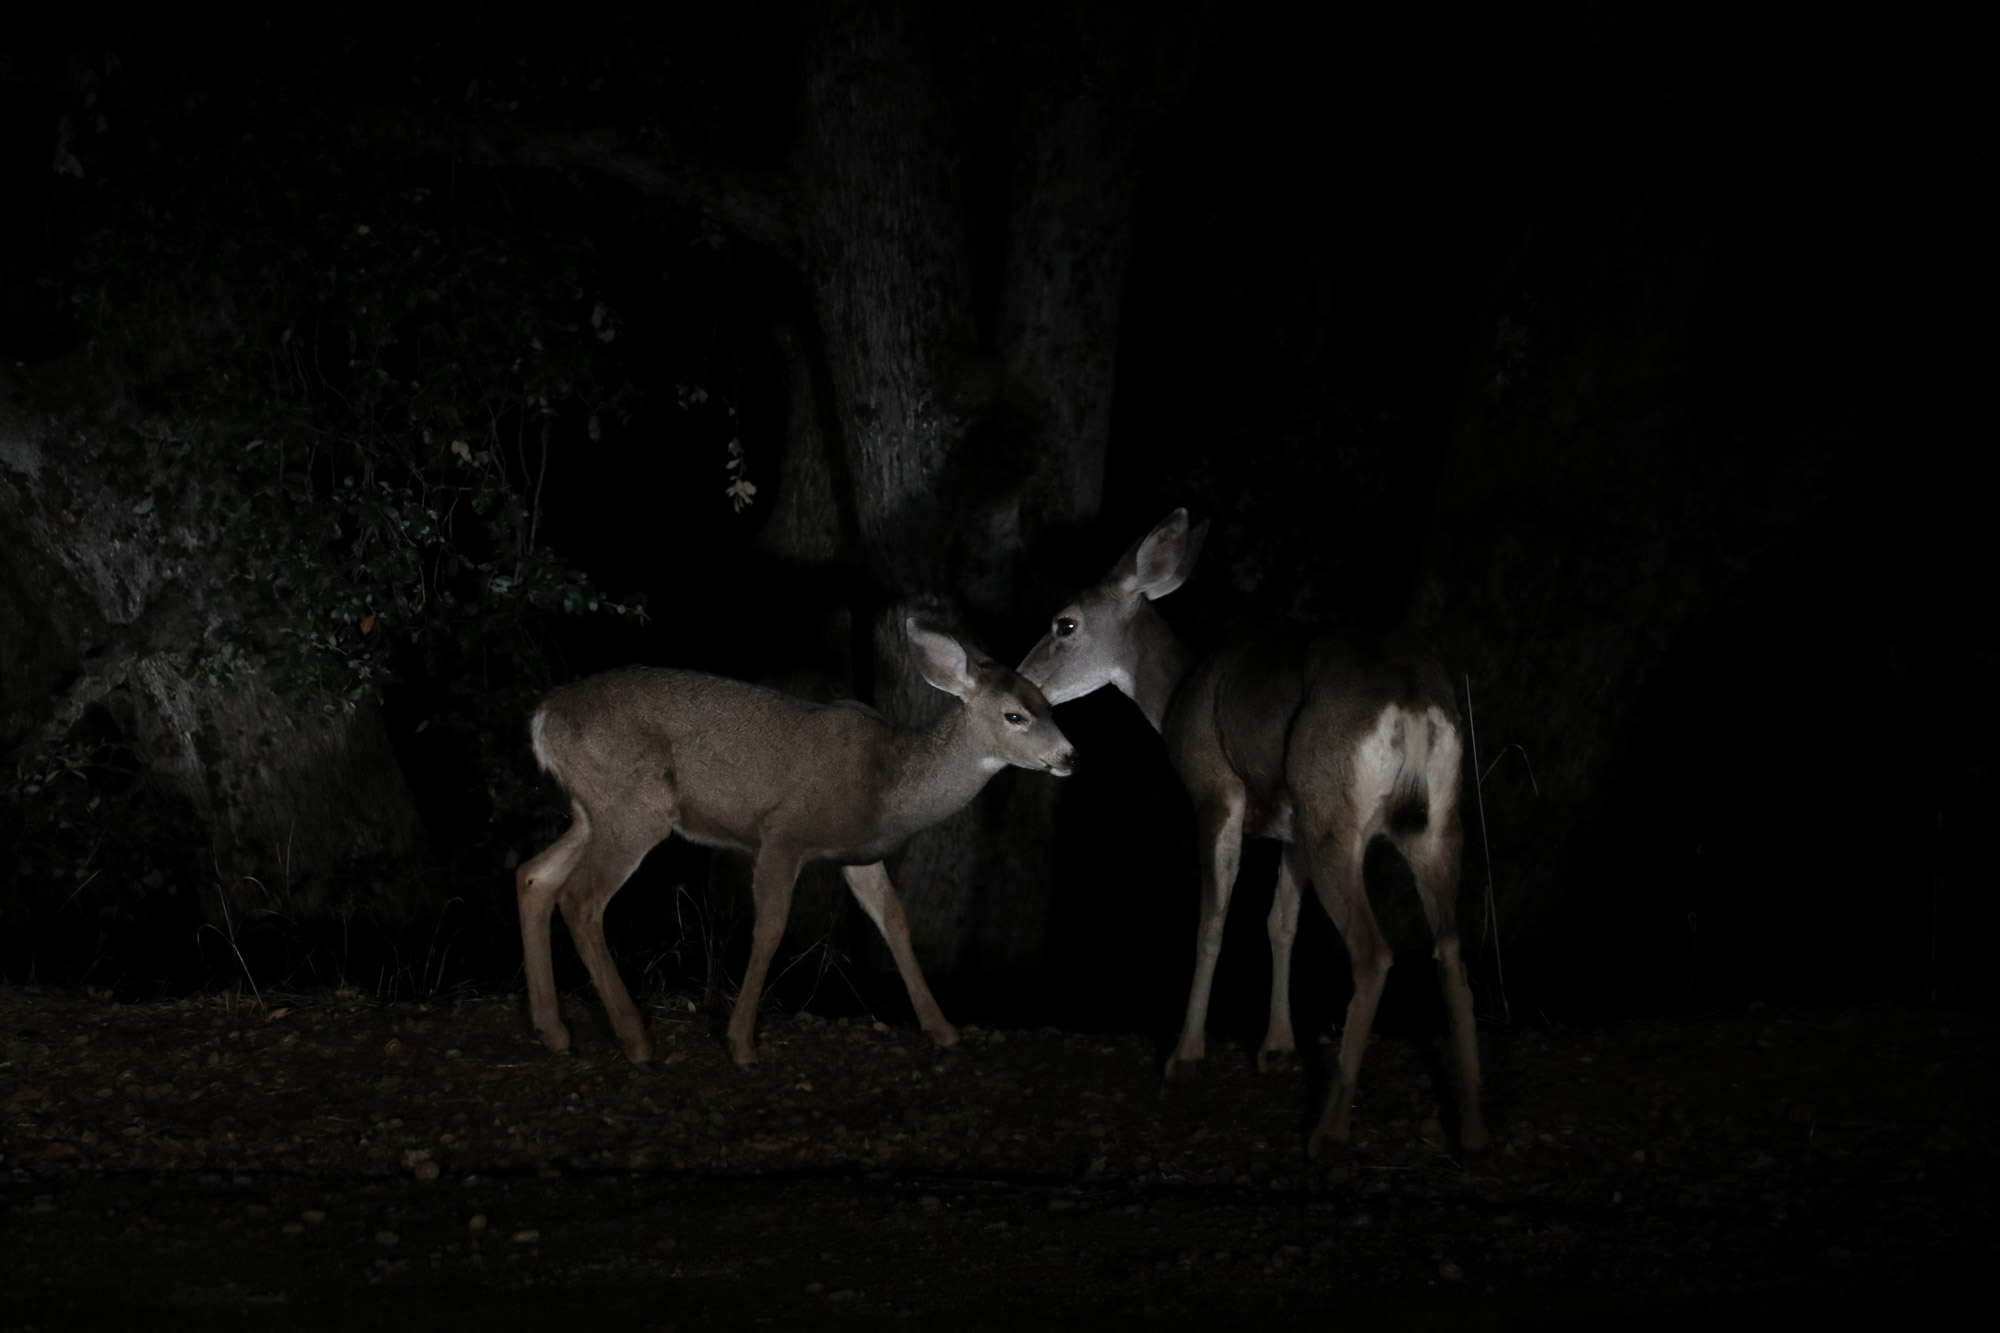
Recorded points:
(1409, 799)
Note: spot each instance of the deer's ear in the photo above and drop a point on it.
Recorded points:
(1189, 553)
(942, 659)
(1156, 566)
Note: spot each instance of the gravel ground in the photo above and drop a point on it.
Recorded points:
(334, 1158)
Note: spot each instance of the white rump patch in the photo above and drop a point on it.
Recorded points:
(1377, 762)
(1441, 768)
(1399, 740)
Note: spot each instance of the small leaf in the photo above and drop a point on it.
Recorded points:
(367, 623)
(144, 506)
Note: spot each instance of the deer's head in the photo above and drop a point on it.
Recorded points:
(1009, 715)
(1094, 640)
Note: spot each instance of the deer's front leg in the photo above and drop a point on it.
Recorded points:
(1222, 848)
(771, 894)
(877, 896)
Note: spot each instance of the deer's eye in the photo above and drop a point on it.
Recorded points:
(1015, 719)
(1065, 626)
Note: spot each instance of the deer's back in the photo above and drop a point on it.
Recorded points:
(1352, 677)
(738, 762)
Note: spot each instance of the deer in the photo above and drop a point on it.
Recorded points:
(1321, 743)
(643, 752)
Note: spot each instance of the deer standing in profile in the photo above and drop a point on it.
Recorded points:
(1321, 744)
(645, 751)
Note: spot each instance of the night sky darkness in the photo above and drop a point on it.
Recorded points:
(1332, 222)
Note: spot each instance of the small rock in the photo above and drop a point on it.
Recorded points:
(393, 1046)
(313, 1216)
(1450, 1272)
(930, 1203)
(527, 1237)
(477, 1222)
(387, 1238)
(425, 1171)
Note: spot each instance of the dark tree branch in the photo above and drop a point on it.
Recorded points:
(758, 204)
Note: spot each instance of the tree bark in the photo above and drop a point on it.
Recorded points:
(303, 815)
(1592, 510)
(929, 446)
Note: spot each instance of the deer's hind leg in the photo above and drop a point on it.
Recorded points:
(606, 867)
(877, 896)
(536, 885)
(771, 881)
(1283, 925)
(1336, 873)
(1434, 862)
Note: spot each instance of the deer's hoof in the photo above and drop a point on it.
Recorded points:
(556, 1039)
(944, 1035)
(1272, 1059)
(1185, 1066)
(640, 1052)
(1329, 1147)
(1474, 1142)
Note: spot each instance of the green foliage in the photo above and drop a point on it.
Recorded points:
(83, 836)
(362, 369)
(377, 421)
(393, 503)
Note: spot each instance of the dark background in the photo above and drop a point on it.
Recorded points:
(1335, 225)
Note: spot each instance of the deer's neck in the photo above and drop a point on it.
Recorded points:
(1163, 662)
(938, 770)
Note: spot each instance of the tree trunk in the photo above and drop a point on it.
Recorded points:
(116, 575)
(1593, 508)
(928, 445)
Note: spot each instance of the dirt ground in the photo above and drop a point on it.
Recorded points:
(336, 1158)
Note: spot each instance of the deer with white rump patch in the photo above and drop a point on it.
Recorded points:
(646, 751)
(1321, 744)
